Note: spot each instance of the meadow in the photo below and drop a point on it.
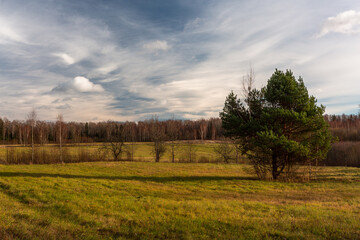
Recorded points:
(147, 200)
(143, 151)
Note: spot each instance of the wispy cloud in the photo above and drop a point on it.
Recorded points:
(156, 46)
(66, 58)
(180, 58)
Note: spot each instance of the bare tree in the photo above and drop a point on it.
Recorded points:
(115, 140)
(116, 148)
(237, 151)
(203, 126)
(213, 129)
(32, 117)
(173, 136)
(247, 87)
(158, 136)
(225, 150)
(190, 148)
(27, 130)
(248, 82)
(42, 132)
(131, 134)
(60, 123)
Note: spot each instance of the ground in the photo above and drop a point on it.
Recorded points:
(146, 200)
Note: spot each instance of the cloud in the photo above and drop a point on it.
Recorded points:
(156, 46)
(67, 59)
(212, 46)
(64, 106)
(8, 33)
(79, 84)
(346, 22)
(194, 24)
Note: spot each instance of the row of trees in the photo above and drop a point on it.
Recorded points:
(33, 130)
(344, 127)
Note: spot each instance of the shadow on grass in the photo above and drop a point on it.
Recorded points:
(134, 178)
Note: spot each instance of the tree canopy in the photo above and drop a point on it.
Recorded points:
(278, 126)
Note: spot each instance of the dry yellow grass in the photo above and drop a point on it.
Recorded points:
(145, 200)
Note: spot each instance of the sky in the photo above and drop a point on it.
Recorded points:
(124, 60)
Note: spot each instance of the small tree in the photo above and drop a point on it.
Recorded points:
(115, 141)
(173, 136)
(60, 125)
(116, 148)
(131, 136)
(278, 126)
(203, 127)
(189, 148)
(225, 150)
(32, 117)
(157, 135)
(237, 151)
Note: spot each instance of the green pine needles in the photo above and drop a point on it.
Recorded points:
(279, 126)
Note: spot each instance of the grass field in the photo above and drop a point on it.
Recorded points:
(203, 152)
(145, 200)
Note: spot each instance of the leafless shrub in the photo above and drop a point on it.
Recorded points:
(130, 151)
(158, 137)
(189, 151)
(225, 150)
(116, 149)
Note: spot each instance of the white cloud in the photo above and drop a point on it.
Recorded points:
(83, 84)
(79, 84)
(156, 45)
(346, 22)
(67, 59)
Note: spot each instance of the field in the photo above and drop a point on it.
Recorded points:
(146, 200)
(201, 152)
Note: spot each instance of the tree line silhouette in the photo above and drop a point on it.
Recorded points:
(45, 132)
(344, 127)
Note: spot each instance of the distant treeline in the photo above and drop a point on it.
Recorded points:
(345, 152)
(345, 127)
(19, 132)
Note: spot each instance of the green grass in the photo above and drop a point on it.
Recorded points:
(145, 200)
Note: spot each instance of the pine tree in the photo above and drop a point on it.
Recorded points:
(278, 126)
